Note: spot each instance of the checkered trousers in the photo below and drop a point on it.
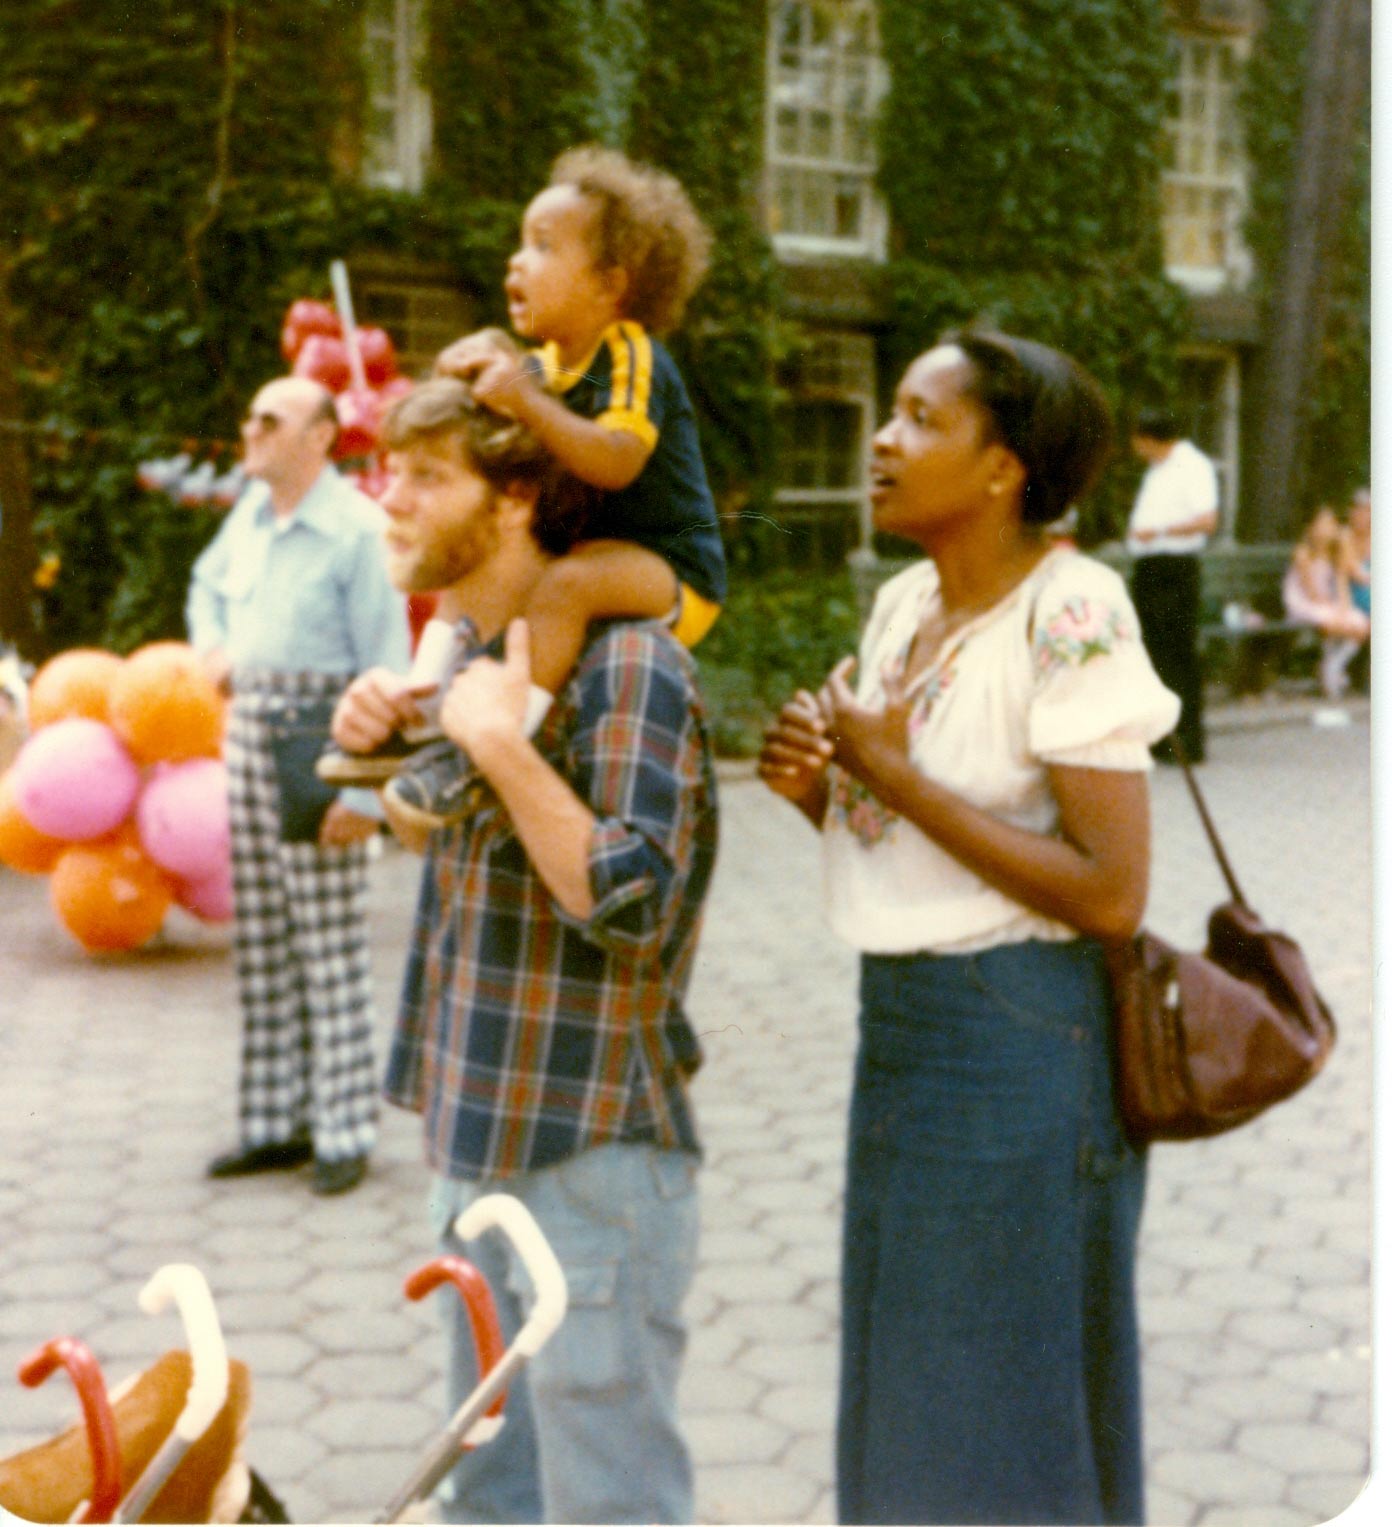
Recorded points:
(301, 947)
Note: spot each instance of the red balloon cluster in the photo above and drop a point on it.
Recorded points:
(120, 794)
(313, 341)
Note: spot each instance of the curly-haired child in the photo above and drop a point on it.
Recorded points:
(610, 253)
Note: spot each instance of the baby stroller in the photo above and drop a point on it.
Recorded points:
(178, 1429)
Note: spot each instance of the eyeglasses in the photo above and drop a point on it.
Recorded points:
(265, 422)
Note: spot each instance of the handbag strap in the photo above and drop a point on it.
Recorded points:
(1215, 842)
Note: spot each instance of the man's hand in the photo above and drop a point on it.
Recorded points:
(342, 826)
(376, 704)
(865, 740)
(795, 754)
(486, 705)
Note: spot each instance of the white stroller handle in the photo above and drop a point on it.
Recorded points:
(503, 1212)
(182, 1283)
(514, 1219)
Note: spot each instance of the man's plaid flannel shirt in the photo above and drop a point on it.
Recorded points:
(527, 1035)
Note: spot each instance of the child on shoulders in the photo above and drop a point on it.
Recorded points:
(611, 251)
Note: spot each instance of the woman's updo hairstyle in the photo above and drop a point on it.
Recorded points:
(1045, 409)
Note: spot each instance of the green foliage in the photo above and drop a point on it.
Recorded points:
(710, 136)
(511, 84)
(170, 185)
(172, 190)
(1022, 135)
(779, 631)
(1020, 161)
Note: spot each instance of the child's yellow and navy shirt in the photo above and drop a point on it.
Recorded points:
(632, 383)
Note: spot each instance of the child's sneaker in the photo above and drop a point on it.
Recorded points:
(437, 790)
(336, 766)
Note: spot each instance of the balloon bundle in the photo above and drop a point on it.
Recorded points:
(358, 365)
(120, 795)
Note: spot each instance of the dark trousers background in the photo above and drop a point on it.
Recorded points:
(1166, 594)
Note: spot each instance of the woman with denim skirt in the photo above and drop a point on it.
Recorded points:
(979, 778)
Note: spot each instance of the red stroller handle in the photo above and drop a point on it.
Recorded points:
(67, 1352)
(478, 1301)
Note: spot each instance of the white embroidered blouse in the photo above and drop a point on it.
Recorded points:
(1053, 673)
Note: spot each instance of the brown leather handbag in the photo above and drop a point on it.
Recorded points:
(1205, 1042)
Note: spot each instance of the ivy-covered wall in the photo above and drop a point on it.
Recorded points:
(1019, 153)
(170, 186)
(174, 174)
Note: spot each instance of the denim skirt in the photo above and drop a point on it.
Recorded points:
(990, 1366)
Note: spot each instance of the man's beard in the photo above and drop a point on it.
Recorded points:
(447, 561)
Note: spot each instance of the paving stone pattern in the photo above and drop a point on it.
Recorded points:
(117, 1083)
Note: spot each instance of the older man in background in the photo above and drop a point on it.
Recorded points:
(288, 602)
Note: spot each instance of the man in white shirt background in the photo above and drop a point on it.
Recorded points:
(1176, 511)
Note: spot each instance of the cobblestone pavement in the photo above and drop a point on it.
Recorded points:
(116, 1084)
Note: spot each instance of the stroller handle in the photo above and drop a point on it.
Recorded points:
(85, 1372)
(182, 1283)
(477, 1298)
(508, 1214)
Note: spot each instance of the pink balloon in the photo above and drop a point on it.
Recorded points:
(183, 819)
(75, 780)
(210, 899)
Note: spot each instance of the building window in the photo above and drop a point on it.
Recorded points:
(1210, 403)
(396, 108)
(417, 306)
(1205, 176)
(823, 445)
(825, 82)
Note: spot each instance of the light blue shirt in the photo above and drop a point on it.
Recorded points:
(306, 592)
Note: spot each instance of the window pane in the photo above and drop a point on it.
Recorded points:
(824, 91)
(1204, 178)
(849, 203)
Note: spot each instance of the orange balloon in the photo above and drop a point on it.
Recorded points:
(23, 847)
(164, 706)
(108, 895)
(75, 683)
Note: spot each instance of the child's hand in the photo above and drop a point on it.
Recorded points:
(504, 384)
(466, 357)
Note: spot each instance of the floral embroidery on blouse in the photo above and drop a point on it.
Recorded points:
(1083, 629)
(864, 815)
(935, 685)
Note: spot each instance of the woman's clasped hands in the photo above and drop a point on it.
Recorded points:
(811, 731)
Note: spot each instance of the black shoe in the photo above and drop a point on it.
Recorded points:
(250, 1159)
(368, 770)
(439, 788)
(338, 1176)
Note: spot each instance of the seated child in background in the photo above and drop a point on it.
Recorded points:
(1315, 590)
(611, 251)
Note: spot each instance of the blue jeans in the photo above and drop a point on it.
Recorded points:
(591, 1425)
(990, 1358)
